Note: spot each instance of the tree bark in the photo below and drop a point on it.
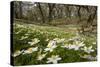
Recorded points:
(41, 12)
(20, 10)
(51, 6)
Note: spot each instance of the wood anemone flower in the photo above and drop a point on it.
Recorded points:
(53, 59)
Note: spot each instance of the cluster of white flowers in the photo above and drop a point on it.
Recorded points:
(76, 45)
(58, 40)
(51, 45)
(28, 51)
(75, 38)
(88, 49)
(34, 41)
(89, 57)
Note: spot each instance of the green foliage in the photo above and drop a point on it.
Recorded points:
(24, 33)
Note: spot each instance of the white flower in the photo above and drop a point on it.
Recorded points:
(88, 49)
(41, 56)
(56, 39)
(17, 53)
(54, 59)
(71, 46)
(59, 40)
(78, 43)
(23, 37)
(31, 43)
(94, 42)
(50, 48)
(20, 25)
(26, 34)
(34, 41)
(51, 45)
(89, 57)
(75, 47)
(65, 46)
(34, 49)
(75, 38)
(30, 50)
(47, 40)
(18, 31)
(81, 44)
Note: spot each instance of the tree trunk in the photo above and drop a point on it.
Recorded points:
(41, 12)
(20, 10)
(51, 6)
